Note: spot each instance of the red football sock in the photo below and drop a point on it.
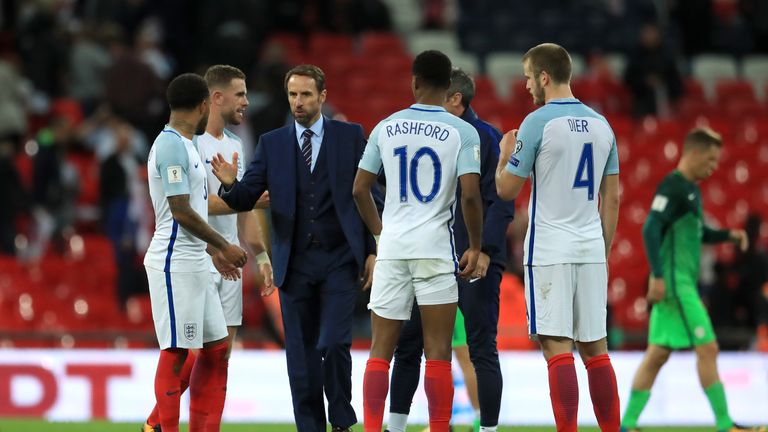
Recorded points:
(205, 389)
(604, 392)
(220, 355)
(564, 391)
(168, 387)
(186, 370)
(375, 388)
(438, 385)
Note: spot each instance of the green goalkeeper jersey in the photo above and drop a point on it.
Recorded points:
(675, 230)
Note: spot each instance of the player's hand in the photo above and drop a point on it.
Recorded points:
(234, 254)
(468, 263)
(227, 269)
(739, 237)
(656, 290)
(367, 276)
(508, 143)
(263, 201)
(483, 261)
(224, 171)
(269, 285)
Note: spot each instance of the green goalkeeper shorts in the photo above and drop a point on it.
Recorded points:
(459, 331)
(680, 321)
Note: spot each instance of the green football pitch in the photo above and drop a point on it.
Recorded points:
(42, 426)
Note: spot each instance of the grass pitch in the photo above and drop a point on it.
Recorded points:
(43, 426)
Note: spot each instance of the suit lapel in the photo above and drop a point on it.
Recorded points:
(330, 143)
(289, 164)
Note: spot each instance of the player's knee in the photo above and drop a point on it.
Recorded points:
(438, 350)
(708, 351)
(658, 358)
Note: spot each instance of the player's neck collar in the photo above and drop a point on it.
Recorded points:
(427, 108)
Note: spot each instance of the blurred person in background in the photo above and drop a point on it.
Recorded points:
(122, 198)
(55, 186)
(14, 89)
(89, 60)
(13, 192)
(101, 132)
(652, 75)
(673, 234)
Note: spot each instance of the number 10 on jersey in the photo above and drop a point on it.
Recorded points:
(402, 154)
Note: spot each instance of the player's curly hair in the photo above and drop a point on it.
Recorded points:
(222, 75)
(433, 68)
(552, 59)
(186, 92)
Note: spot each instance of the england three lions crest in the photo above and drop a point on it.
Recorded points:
(190, 331)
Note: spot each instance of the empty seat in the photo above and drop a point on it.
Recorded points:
(445, 41)
(325, 43)
(466, 61)
(755, 70)
(381, 43)
(503, 67)
(727, 90)
(709, 68)
(616, 63)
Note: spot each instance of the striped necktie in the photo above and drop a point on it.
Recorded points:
(306, 147)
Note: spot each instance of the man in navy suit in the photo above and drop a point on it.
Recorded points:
(320, 247)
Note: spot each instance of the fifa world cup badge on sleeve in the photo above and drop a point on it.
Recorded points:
(174, 174)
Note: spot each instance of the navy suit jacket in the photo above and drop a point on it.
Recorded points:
(274, 168)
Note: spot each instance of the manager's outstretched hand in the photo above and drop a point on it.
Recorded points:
(224, 171)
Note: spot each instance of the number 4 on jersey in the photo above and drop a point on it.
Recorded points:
(586, 169)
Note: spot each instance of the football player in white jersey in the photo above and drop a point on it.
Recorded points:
(185, 307)
(569, 152)
(423, 151)
(228, 103)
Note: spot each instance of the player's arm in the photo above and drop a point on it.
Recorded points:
(609, 209)
(468, 171)
(508, 185)
(365, 181)
(665, 208)
(192, 222)
(241, 195)
(713, 235)
(217, 206)
(252, 236)
(498, 212)
(609, 198)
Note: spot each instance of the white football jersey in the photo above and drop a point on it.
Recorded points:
(423, 150)
(566, 148)
(174, 168)
(208, 146)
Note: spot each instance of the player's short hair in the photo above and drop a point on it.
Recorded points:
(433, 68)
(463, 84)
(307, 70)
(702, 138)
(551, 58)
(186, 92)
(222, 75)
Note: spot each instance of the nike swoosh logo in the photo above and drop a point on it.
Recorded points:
(196, 165)
(207, 161)
(171, 393)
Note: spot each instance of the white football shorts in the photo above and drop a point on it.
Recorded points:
(186, 308)
(567, 300)
(396, 283)
(231, 295)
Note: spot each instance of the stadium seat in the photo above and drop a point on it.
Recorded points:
(755, 70)
(445, 41)
(727, 90)
(503, 67)
(709, 68)
(616, 62)
(381, 43)
(324, 43)
(406, 15)
(466, 61)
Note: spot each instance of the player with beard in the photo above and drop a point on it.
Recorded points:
(228, 103)
(185, 306)
(569, 152)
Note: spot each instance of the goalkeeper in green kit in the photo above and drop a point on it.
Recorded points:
(673, 234)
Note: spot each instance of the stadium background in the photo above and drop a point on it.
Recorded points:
(82, 97)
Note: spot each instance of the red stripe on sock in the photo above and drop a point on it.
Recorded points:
(438, 385)
(564, 391)
(604, 392)
(375, 388)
